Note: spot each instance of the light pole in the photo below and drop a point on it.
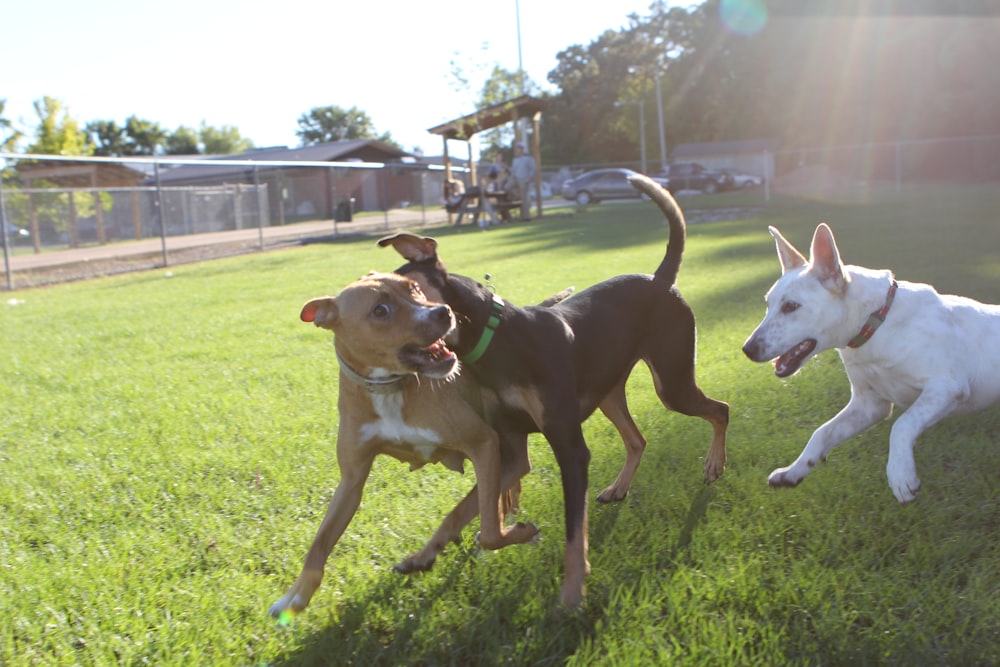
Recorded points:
(635, 69)
(642, 129)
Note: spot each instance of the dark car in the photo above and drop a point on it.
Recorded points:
(595, 186)
(693, 176)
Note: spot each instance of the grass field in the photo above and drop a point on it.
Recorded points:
(167, 452)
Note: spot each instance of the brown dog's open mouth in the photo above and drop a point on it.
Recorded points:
(790, 361)
(436, 360)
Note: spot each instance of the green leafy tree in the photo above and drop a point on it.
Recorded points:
(332, 123)
(107, 137)
(9, 137)
(183, 141)
(502, 85)
(57, 133)
(144, 137)
(224, 140)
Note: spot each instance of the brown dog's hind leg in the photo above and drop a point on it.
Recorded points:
(615, 408)
(514, 465)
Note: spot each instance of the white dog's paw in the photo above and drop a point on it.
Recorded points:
(903, 481)
(784, 477)
(905, 489)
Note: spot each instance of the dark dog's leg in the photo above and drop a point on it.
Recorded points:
(615, 408)
(573, 457)
(681, 393)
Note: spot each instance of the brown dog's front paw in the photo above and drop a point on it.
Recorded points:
(413, 564)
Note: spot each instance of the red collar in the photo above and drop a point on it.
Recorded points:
(875, 319)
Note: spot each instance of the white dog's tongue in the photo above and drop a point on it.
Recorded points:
(790, 361)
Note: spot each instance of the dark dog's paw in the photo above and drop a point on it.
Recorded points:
(413, 564)
(611, 495)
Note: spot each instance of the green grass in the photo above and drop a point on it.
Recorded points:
(167, 452)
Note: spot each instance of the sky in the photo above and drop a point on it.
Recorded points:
(260, 65)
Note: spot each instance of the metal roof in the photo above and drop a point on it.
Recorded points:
(525, 106)
(334, 151)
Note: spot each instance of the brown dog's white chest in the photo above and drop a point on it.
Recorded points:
(388, 428)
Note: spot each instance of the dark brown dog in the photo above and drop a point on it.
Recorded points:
(552, 367)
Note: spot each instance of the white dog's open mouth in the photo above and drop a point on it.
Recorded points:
(790, 361)
(436, 360)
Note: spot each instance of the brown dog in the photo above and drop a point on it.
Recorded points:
(401, 395)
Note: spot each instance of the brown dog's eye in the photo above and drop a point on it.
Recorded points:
(381, 311)
(789, 307)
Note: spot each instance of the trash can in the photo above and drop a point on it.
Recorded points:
(345, 210)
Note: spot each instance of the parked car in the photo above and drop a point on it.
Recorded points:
(742, 180)
(14, 232)
(595, 186)
(693, 176)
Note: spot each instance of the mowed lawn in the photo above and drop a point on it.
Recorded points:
(167, 453)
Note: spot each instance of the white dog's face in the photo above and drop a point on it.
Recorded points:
(805, 307)
(802, 314)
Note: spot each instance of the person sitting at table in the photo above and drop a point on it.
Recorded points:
(498, 175)
(454, 194)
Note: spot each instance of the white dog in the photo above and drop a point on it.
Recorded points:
(901, 343)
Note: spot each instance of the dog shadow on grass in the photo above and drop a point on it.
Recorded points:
(449, 616)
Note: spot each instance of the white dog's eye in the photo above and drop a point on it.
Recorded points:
(789, 307)
(381, 311)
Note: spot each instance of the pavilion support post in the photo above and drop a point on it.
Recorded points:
(536, 153)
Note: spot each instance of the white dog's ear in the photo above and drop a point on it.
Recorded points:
(825, 258)
(789, 257)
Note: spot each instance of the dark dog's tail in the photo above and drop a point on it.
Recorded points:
(671, 263)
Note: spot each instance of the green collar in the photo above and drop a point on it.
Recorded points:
(491, 326)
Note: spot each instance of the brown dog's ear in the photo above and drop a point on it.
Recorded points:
(322, 312)
(412, 247)
(789, 257)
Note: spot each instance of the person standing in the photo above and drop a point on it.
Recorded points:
(523, 170)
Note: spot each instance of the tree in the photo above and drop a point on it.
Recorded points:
(333, 123)
(183, 141)
(107, 138)
(502, 85)
(57, 133)
(224, 140)
(145, 137)
(9, 137)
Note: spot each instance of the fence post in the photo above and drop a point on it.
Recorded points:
(6, 243)
(162, 211)
(260, 217)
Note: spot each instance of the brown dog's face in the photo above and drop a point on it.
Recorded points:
(384, 326)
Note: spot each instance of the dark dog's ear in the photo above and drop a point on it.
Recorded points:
(412, 247)
(322, 312)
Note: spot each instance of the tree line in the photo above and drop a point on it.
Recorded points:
(806, 74)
